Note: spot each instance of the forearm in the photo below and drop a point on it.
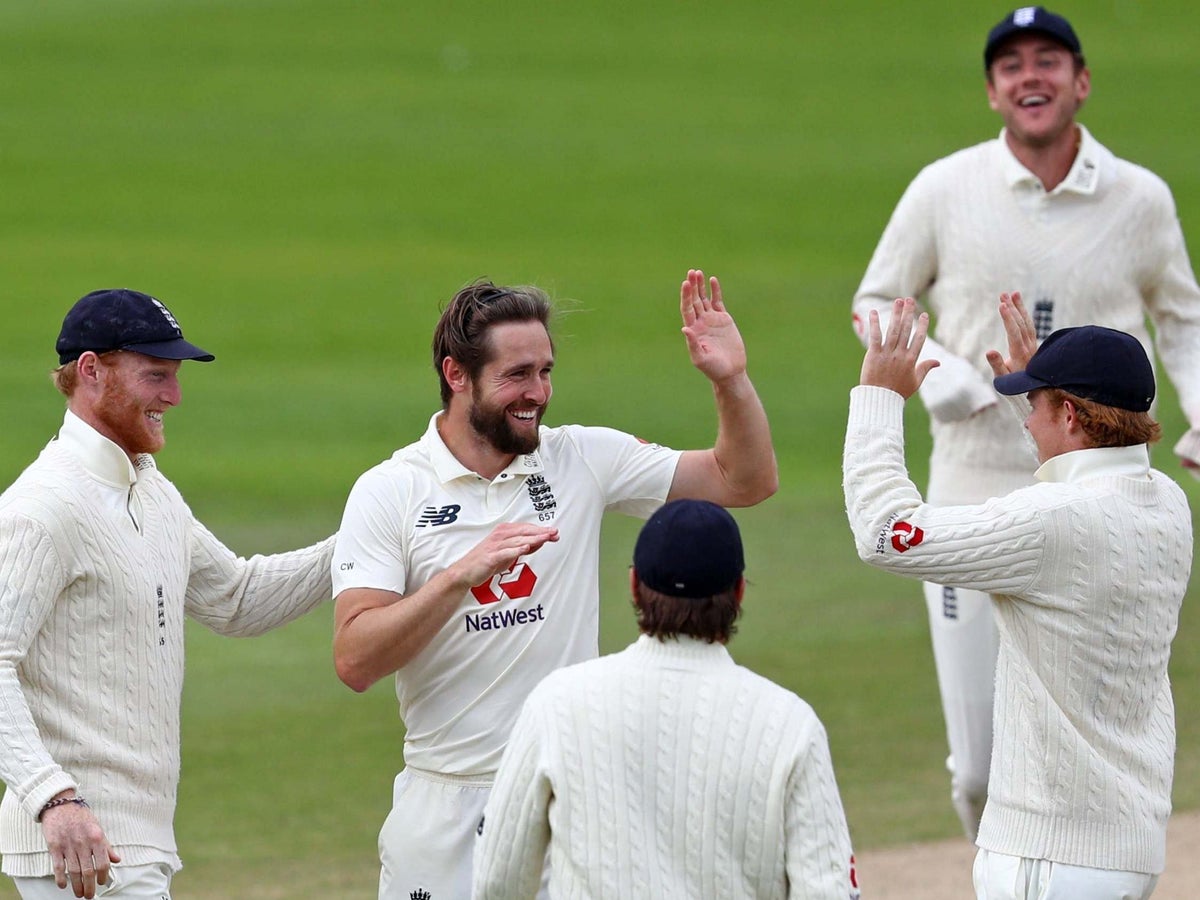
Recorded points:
(740, 469)
(377, 633)
(248, 597)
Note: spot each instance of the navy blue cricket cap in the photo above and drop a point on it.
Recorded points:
(1092, 362)
(1027, 19)
(689, 548)
(119, 319)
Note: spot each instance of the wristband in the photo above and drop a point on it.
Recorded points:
(61, 801)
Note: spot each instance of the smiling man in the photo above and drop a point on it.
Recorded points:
(1086, 238)
(466, 565)
(102, 561)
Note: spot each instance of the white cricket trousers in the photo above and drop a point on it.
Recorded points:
(965, 641)
(426, 842)
(998, 876)
(152, 882)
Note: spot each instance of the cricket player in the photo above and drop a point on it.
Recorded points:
(667, 770)
(1086, 570)
(102, 561)
(466, 565)
(1086, 238)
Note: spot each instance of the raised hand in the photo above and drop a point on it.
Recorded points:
(714, 342)
(892, 359)
(1022, 337)
(497, 552)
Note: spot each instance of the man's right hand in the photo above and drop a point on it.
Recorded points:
(80, 852)
(497, 552)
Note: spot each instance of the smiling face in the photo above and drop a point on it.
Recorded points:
(1036, 87)
(510, 395)
(132, 393)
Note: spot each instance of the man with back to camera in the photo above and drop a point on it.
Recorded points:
(1085, 237)
(1086, 570)
(102, 561)
(466, 565)
(667, 770)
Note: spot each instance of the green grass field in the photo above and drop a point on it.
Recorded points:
(303, 182)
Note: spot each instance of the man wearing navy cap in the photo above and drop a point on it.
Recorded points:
(1086, 238)
(102, 560)
(1086, 571)
(666, 770)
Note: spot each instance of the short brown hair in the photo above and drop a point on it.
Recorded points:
(1109, 426)
(462, 330)
(707, 618)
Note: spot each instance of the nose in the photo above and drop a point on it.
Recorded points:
(172, 393)
(540, 390)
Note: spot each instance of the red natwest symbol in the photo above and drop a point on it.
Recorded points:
(905, 536)
(515, 584)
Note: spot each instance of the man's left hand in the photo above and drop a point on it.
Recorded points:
(714, 342)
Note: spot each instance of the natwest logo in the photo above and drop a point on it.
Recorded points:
(906, 536)
(515, 584)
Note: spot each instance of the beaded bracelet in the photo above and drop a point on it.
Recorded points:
(61, 801)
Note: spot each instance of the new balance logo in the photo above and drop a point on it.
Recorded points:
(1025, 16)
(439, 515)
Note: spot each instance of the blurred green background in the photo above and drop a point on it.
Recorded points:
(304, 182)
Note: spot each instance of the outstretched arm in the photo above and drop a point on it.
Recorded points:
(740, 469)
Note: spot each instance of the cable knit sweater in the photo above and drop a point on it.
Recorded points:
(1087, 572)
(1104, 247)
(665, 771)
(92, 608)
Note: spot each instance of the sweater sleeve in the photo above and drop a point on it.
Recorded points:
(34, 577)
(511, 850)
(995, 547)
(247, 597)
(820, 864)
(1173, 300)
(905, 264)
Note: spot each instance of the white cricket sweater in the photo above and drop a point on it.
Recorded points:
(92, 639)
(1104, 247)
(665, 771)
(1087, 571)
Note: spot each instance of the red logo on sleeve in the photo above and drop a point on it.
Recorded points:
(905, 536)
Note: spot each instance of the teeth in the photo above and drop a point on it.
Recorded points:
(155, 416)
(1034, 101)
(526, 415)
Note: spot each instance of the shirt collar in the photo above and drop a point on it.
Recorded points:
(447, 467)
(1082, 179)
(1097, 462)
(102, 458)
